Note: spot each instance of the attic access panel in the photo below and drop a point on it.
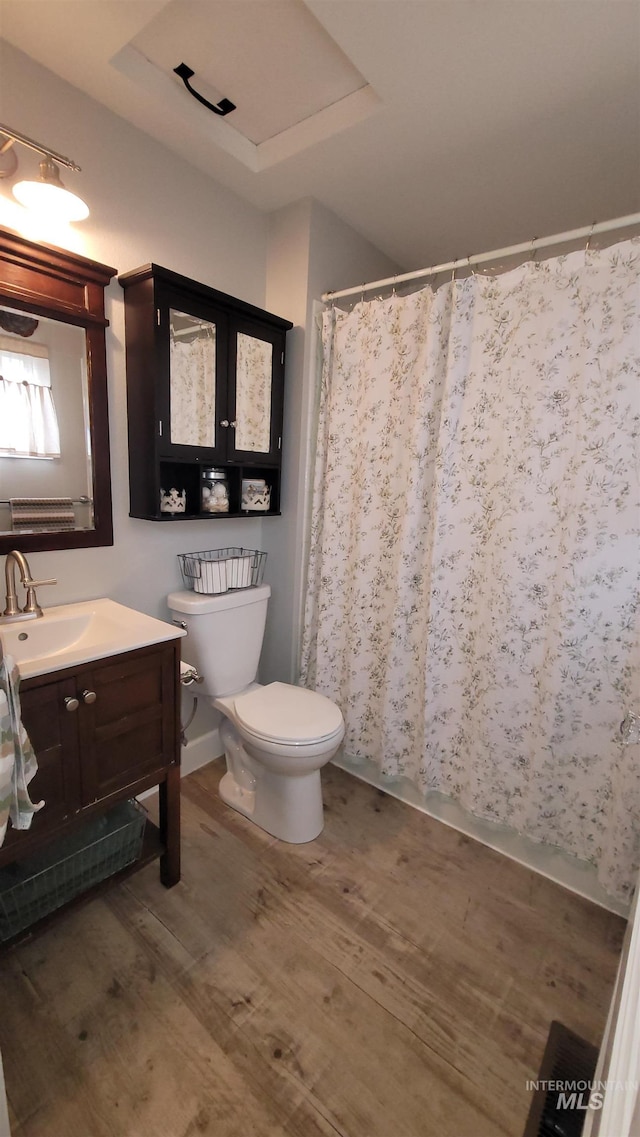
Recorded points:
(290, 82)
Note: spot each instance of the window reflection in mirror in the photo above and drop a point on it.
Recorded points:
(192, 354)
(45, 450)
(254, 369)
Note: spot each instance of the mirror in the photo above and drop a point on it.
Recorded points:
(254, 369)
(192, 385)
(55, 484)
(192, 370)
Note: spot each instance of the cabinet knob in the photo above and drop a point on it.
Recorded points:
(71, 704)
(89, 696)
(224, 422)
(233, 424)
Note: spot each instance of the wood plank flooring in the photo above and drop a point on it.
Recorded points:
(391, 979)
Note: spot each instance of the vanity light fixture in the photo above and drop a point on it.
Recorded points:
(46, 193)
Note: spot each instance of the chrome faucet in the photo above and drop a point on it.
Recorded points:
(31, 609)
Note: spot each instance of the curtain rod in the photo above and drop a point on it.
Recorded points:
(497, 254)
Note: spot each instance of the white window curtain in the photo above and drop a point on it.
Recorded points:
(28, 422)
(473, 581)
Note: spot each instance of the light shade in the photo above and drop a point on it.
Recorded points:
(48, 195)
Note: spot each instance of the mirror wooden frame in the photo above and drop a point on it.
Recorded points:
(47, 281)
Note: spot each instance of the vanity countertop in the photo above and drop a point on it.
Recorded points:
(70, 634)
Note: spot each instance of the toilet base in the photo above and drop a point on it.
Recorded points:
(289, 808)
(234, 795)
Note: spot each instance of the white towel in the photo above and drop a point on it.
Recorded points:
(18, 763)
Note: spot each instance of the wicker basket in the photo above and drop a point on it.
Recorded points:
(36, 886)
(220, 570)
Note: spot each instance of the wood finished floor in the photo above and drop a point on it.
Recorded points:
(391, 979)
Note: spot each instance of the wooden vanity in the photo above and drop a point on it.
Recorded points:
(99, 694)
(103, 732)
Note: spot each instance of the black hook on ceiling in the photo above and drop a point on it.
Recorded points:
(221, 108)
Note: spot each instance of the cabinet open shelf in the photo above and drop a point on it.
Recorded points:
(186, 477)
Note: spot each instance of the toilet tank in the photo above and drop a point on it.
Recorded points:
(224, 635)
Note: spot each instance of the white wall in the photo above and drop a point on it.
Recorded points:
(310, 251)
(147, 205)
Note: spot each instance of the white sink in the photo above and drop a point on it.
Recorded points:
(79, 633)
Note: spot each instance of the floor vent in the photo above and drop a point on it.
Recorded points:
(569, 1060)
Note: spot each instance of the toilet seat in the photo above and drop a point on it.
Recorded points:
(282, 713)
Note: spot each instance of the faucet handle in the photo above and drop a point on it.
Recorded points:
(32, 607)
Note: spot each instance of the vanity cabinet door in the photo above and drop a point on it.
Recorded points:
(128, 720)
(49, 714)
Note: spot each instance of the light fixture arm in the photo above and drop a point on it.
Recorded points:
(15, 136)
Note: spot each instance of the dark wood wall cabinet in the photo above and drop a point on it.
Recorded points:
(104, 732)
(205, 386)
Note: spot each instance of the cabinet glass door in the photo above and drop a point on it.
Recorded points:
(192, 380)
(256, 376)
(254, 372)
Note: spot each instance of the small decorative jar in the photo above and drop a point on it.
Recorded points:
(256, 495)
(175, 501)
(214, 491)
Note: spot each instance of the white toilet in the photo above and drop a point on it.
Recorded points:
(276, 738)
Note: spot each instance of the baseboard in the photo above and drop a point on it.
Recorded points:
(571, 873)
(198, 752)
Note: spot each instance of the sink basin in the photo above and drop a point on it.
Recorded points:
(69, 634)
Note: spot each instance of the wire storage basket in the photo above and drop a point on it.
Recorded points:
(220, 570)
(32, 888)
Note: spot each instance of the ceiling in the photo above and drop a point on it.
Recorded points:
(436, 128)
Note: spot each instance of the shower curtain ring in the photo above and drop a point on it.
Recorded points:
(470, 266)
(532, 258)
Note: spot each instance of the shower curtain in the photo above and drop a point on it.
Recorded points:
(472, 598)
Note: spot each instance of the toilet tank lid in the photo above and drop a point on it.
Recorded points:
(197, 603)
(290, 714)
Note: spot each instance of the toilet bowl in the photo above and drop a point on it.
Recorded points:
(276, 737)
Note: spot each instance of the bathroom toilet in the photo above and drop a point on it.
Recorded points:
(276, 737)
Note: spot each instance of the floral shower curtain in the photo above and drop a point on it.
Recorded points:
(473, 580)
